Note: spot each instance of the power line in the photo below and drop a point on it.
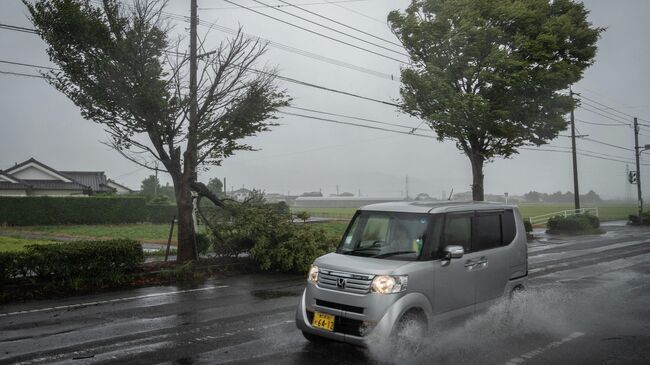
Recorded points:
(331, 29)
(315, 32)
(281, 46)
(355, 124)
(357, 12)
(359, 118)
(579, 153)
(602, 110)
(27, 65)
(601, 124)
(603, 115)
(21, 74)
(281, 6)
(342, 24)
(607, 106)
(18, 29)
(607, 144)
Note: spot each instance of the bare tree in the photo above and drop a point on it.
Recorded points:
(119, 65)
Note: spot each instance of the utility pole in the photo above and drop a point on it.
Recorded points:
(155, 187)
(407, 187)
(637, 152)
(576, 191)
(193, 63)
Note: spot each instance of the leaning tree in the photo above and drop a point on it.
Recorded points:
(122, 66)
(493, 75)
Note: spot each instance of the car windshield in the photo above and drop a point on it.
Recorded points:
(388, 235)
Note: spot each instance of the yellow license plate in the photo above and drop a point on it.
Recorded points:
(323, 321)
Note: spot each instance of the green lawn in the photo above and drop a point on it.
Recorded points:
(14, 244)
(160, 232)
(140, 232)
(607, 211)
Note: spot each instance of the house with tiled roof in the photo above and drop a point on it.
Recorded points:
(34, 178)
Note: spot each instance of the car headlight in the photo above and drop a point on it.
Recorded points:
(386, 284)
(312, 277)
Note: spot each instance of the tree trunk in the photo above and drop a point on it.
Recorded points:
(477, 177)
(186, 234)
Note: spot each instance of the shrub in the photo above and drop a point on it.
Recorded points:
(573, 224)
(203, 243)
(44, 210)
(159, 213)
(528, 226)
(274, 242)
(73, 264)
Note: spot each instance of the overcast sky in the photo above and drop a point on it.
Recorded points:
(307, 155)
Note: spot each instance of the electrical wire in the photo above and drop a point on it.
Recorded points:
(332, 29)
(359, 119)
(341, 23)
(317, 33)
(281, 6)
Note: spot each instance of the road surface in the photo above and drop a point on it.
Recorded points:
(588, 303)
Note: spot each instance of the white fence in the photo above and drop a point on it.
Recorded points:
(542, 219)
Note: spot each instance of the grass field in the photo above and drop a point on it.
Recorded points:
(140, 232)
(15, 244)
(607, 211)
(160, 232)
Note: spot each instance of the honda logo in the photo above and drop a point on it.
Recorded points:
(341, 283)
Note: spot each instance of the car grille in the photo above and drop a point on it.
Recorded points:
(343, 307)
(346, 326)
(353, 283)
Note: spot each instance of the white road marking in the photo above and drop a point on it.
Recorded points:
(540, 350)
(544, 257)
(99, 302)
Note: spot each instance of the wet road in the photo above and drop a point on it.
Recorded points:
(588, 303)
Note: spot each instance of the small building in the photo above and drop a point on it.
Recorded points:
(34, 178)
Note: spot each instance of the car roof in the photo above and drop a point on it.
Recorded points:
(434, 207)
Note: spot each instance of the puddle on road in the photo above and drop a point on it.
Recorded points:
(536, 315)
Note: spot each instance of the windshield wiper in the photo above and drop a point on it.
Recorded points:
(360, 250)
(393, 254)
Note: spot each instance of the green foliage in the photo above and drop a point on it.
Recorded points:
(274, 242)
(492, 75)
(150, 187)
(304, 216)
(574, 224)
(203, 243)
(160, 213)
(28, 211)
(95, 263)
(527, 226)
(216, 187)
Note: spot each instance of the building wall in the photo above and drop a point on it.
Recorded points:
(31, 173)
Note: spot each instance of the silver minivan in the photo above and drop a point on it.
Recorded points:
(408, 264)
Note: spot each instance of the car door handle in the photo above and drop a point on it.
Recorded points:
(469, 264)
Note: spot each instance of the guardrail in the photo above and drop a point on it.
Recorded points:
(545, 217)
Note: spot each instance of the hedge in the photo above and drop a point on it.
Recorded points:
(573, 224)
(27, 211)
(72, 264)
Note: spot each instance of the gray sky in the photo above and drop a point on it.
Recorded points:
(306, 155)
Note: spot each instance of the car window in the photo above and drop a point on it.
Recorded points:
(375, 231)
(487, 231)
(458, 231)
(509, 227)
(399, 236)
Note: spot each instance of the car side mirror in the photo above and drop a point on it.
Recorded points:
(453, 252)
